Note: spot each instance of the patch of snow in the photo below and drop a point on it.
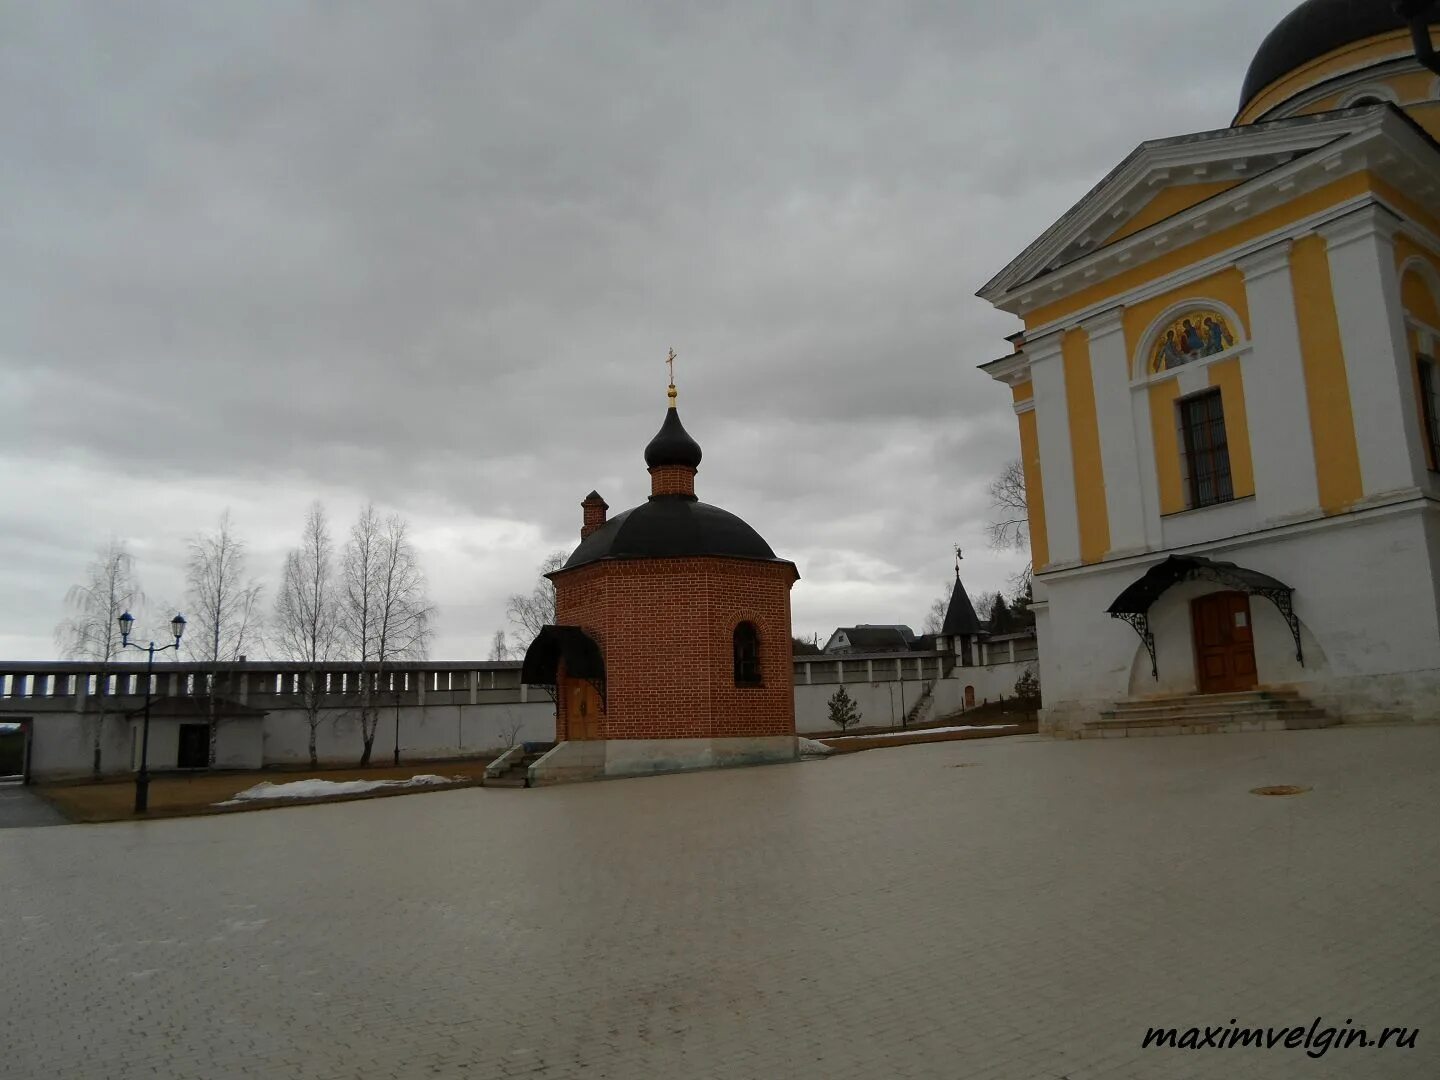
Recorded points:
(932, 731)
(811, 748)
(310, 789)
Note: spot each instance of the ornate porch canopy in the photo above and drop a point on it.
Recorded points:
(569, 643)
(1133, 605)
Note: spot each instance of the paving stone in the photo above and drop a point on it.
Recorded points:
(872, 915)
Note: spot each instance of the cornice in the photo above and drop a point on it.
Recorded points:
(1338, 144)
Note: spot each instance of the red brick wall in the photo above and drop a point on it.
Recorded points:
(665, 629)
(672, 480)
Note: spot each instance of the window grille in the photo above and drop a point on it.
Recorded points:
(1430, 409)
(1207, 453)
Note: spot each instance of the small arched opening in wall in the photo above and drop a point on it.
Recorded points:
(1191, 330)
(745, 644)
(969, 697)
(1370, 94)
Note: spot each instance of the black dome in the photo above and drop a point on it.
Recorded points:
(672, 445)
(1313, 29)
(669, 525)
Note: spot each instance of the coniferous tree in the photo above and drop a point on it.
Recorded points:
(843, 712)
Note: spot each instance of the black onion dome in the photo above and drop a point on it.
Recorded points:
(672, 445)
(672, 525)
(1313, 29)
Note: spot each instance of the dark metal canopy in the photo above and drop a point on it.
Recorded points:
(1133, 605)
(555, 643)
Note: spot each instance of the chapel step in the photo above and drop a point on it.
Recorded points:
(517, 775)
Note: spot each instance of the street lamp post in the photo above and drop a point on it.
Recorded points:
(142, 778)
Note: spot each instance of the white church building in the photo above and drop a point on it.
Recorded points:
(1229, 407)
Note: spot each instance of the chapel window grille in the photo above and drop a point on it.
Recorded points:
(747, 655)
(1430, 409)
(1207, 452)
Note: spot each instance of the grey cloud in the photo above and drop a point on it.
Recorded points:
(437, 252)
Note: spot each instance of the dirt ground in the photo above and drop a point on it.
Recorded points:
(173, 795)
(920, 735)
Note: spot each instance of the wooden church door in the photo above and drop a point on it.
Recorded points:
(582, 711)
(1224, 642)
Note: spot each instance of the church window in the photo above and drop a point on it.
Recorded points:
(747, 655)
(1430, 409)
(1196, 333)
(1207, 454)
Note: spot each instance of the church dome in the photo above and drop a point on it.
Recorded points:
(672, 444)
(669, 526)
(1313, 29)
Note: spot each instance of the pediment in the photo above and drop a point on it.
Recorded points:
(1163, 179)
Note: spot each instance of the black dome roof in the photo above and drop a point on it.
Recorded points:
(672, 444)
(1313, 29)
(669, 525)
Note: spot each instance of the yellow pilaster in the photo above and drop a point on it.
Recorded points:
(1090, 511)
(1327, 388)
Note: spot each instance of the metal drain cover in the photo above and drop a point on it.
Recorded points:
(1279, 789)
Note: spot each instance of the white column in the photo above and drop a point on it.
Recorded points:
(1057, 466)
(870, 671)
(1281, 445)
(1012, 650)
(1366, 285)
(474, 687)
(1119, 456)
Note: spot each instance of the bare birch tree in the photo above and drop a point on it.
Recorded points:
(307, 612)
(935, 617)
(1011, 525)
(530, 611)
(499, 650)
(385, 613)
(91, 630)
(224, 607)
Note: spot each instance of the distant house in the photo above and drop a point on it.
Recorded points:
(871, 638)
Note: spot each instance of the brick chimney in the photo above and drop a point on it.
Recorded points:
(594, 507)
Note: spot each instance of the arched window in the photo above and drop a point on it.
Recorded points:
(747, 655)
(1373, 94)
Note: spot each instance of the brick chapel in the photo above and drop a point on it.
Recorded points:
(671, 648)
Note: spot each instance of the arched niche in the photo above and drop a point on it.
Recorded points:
(1197, 328)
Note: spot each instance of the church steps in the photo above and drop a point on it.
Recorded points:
(1197, 714)
(514, 768)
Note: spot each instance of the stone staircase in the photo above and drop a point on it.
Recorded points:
(1203, 714)
(512, 769)
(917, 712)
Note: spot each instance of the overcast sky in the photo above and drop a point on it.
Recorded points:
(433, 255)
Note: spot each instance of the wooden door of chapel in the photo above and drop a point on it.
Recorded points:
(582, 714)
(1224, 643)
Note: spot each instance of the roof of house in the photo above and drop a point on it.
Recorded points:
(878, 638)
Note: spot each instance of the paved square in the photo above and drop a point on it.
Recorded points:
(886, 914)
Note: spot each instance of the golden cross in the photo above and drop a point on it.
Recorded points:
(671, 361)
